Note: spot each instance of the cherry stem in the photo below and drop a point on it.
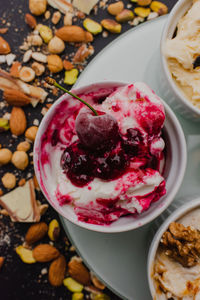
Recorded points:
(53, 82)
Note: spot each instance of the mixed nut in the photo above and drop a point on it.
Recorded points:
(43, 52)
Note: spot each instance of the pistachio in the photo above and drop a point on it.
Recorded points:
(77, 296)
(56, 45)
(72, 285)
(46, 33)
(159, 7)
(115, 8)
(101, 297)
(111, 25)
(5, 156)
(92, 26)
(55, 63)
(142, 12)
(25, 254)
(71, 76)
(54, 230)
(4, 125)
(9, 181)
(125, 16)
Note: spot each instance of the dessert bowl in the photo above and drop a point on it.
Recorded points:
(174, 89)
(175, 163)
(188, 215)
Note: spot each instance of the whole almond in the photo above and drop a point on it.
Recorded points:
(45, 253)
(30, 20)
(36, 232)
(74, 33)
(4, 46)
(17, 121)
(15, 97)
(78, 272)
(57, 271)
(1, 261)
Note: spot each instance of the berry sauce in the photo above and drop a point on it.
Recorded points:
(82, 165)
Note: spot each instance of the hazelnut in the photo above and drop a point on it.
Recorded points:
(9, 180)
(37, 7)
(20, 160)
(31, 132)
(5, 156)
(23, 146)
(56, 45)
(55, 63)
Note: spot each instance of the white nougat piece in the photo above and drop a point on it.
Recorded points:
(85, 5)
(21, 203)
(64, 6)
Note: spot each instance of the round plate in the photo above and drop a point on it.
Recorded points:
(120, 259)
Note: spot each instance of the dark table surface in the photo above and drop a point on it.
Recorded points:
(17, 279)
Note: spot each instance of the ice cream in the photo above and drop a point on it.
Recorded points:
(177, 265)
(124, 175)
(183, 54)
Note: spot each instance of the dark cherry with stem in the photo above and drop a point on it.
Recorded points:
(96, 130)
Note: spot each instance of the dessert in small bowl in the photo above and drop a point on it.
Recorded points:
(180, 58)
(115, 165)
(174, 255)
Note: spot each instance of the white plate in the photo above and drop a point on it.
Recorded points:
(120, 259)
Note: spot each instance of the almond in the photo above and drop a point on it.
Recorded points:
(15, 97)
(1, 261)
(30, 20)
(36, 232)
(17, 121)
(57, 271)
(78, 272)
(3, 30)
(67, 65)
(4, 46)
(45, 253)
(14, 70)
(74, 33)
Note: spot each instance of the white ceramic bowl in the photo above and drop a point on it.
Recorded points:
(174, 171)
(177, 213)
(175, 96)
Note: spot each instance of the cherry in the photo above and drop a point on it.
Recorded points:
(96, 132)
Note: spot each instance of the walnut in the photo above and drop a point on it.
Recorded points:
(182, 244)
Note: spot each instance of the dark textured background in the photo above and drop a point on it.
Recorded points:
(20, 281)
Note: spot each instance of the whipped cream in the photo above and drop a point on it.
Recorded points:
(181, 52)
(104, 201)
